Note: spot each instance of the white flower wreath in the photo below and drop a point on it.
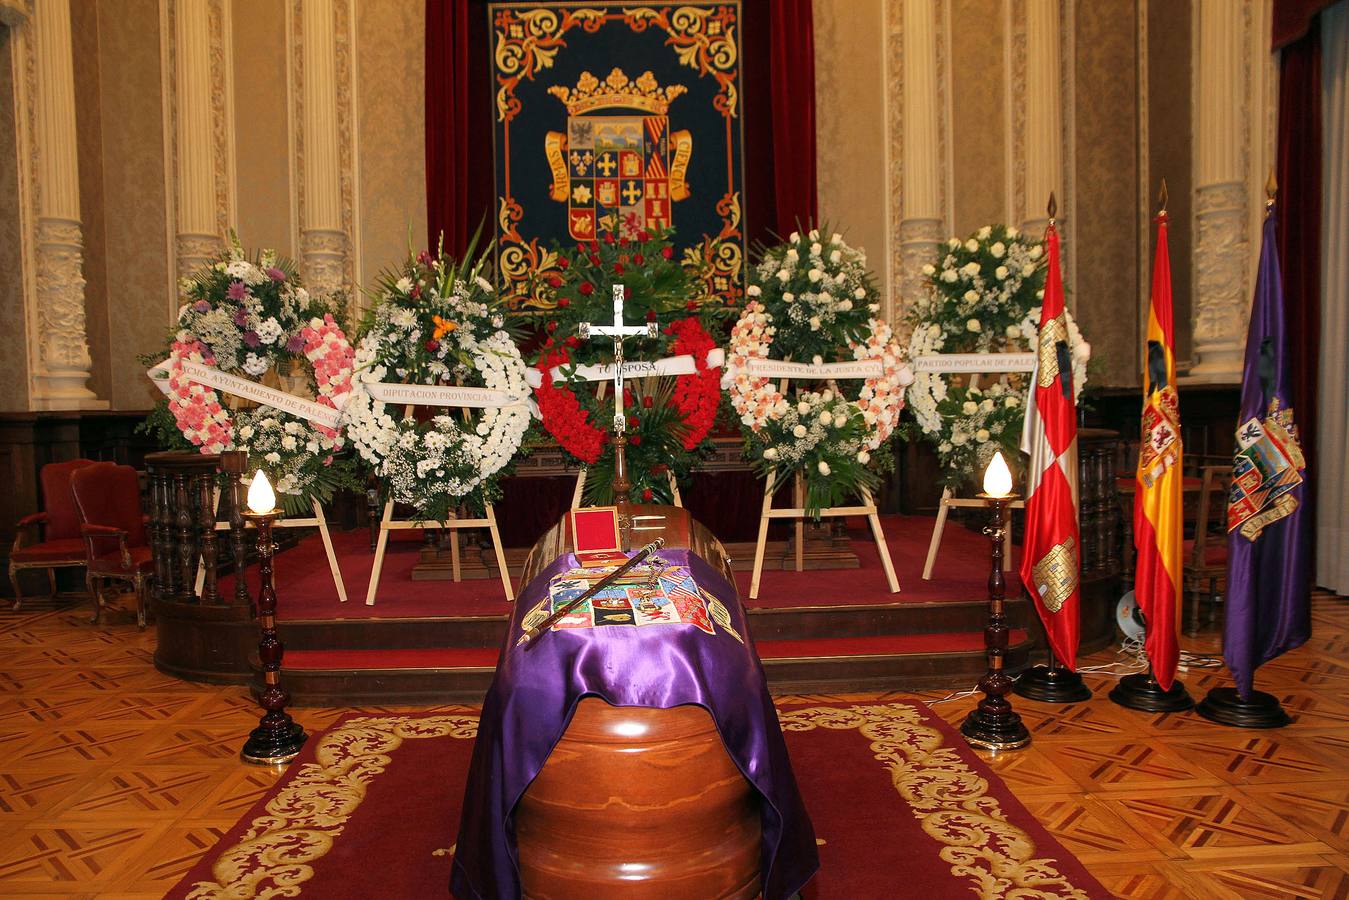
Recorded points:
(434, 327)
(816, 299)
(984, 298)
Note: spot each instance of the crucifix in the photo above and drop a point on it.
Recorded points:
(620, 485)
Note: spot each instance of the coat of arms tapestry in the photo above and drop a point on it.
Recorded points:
(617, 119)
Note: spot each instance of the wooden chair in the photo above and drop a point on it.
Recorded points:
(49, 539)
(113, 526)
(1206, 553)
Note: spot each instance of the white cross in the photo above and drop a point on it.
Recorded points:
(618, 331)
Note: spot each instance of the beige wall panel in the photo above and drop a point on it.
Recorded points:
(1170, 151)
(134, 201)
(390, 38)
(261, 126)
(1106, 230)
(89, 131)
(850, 135)
(13, 335)
(978, 113)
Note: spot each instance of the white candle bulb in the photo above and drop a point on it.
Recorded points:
(997, 477)
(261, 497)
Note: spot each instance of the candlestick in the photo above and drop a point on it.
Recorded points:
(278, 738)
(993, 724)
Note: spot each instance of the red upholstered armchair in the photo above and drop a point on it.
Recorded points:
(49, 539)
(108, 498)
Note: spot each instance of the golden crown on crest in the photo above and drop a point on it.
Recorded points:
(617, 90)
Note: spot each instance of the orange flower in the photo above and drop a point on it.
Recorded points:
(443, 327)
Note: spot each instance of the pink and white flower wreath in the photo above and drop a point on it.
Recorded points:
(758, 400)
(206, 423)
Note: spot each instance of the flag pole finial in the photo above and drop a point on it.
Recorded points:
(1271, 189)
(1053, 207)
(1161, 198)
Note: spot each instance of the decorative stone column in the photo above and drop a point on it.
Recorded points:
(199, 86)
(1043, 134)
(325, 226)
(62, 349)
(1222, 141)
(922, 201)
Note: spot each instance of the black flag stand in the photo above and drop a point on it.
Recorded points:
(1225, 706)
(1052, 683)
(1143, 692)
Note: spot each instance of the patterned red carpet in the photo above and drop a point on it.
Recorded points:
(899, 804)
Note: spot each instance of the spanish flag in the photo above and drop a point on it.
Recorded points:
(1157, 495)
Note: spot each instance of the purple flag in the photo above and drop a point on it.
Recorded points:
(1268, 590)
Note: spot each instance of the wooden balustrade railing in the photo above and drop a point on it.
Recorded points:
(183, 515)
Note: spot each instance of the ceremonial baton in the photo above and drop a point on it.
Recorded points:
(594, 589)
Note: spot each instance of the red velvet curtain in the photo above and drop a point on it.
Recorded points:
(778, 103)
(1299, 220)
(459, 186)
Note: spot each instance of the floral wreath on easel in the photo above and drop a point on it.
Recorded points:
(437, 325)
(247, 323)
(813, 302)
(668, 421)
(985, 297)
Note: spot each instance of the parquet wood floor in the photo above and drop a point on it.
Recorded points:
(114, 779)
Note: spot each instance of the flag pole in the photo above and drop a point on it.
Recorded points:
(1142, 691)
(1225, 705)
(1052, 683)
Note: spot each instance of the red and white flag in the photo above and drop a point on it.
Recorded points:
(1050, 555)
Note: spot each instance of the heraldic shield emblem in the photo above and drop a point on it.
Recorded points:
(599, 108)
(618, 167)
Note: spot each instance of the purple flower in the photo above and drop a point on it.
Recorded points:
(424, 258)
(251, 338)
(276, 274)
(201, 306)
(241, 317)
(295, 344)
(236, 290)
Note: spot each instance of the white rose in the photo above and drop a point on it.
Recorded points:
(783, 275)
(816, 249)
(788, 296)
(863, 457)
(1036, 251)
(814, 323)
(289, 443)
(826, 419)
(985, 232)
(969, 408)
(827, 397)
(813, 275)
(770, 453)
(971, 296)
(981, 435)
(929, 269)
(1027, 270)
(953, 243)
(799, 431)
(817, 359)
(1014, 331)
(814, 234)
(986, 405)
(860, 293)
(753, 290)
(1011, 403)
(998, 249)
(1001, 272)
(824, 467)
(836, 238)
(973, 325)
(803, 408)
(959, 438)
(949, 276)
(793, 237)
(792, 254)
(1012, 233)
(971, 245)
(835, 256)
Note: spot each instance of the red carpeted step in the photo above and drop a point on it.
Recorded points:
(881, 645)
(486, 657)
(428, 658)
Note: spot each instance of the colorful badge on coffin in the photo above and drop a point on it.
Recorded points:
(621, 170)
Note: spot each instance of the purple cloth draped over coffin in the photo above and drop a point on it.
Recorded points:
(534, 694)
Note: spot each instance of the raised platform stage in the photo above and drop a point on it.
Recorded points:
(437, 641)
